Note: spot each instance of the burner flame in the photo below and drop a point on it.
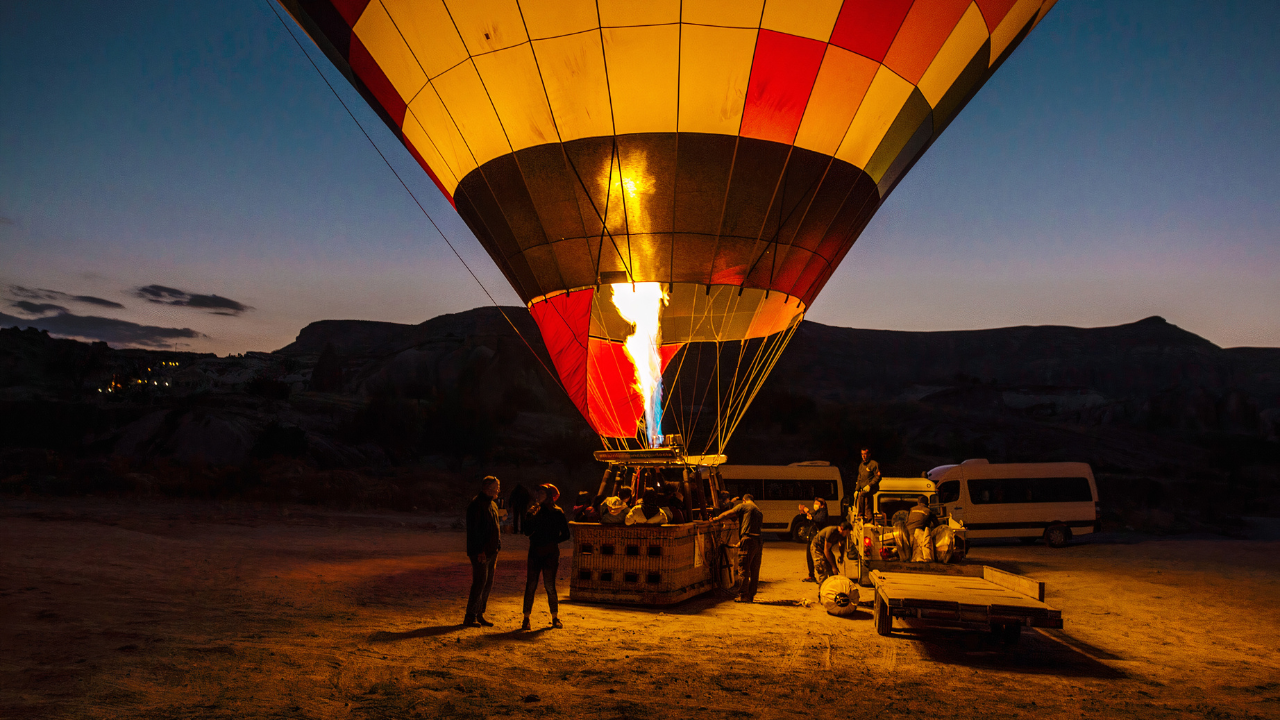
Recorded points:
(641, 305)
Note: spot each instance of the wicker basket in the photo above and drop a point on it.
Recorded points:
(646, 564)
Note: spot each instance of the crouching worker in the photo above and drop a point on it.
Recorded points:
(825, 550)
(920, 522)
(547, 527)
(483, 543)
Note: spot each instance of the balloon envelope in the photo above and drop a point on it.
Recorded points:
(732, 150)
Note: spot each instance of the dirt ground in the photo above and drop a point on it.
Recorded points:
(167, 611)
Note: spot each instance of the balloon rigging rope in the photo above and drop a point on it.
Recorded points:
(412, 196)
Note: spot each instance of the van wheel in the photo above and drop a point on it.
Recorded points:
(1057, 535)
(803, 531)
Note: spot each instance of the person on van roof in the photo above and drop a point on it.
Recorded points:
(868, 481)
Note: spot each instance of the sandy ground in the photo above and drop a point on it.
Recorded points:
(166, 611)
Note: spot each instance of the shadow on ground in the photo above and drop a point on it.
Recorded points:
(1037, 653)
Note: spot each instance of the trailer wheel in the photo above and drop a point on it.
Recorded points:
(1057, 535)
(883, 621)
(1008, 632)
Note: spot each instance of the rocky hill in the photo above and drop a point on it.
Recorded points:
(1182, 433)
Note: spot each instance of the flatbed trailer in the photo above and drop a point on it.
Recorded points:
(963, 596)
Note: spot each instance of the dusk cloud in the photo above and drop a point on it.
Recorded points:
(38, 308)
(110, 330)
(45, 294)
(91, 300)
(215, 304)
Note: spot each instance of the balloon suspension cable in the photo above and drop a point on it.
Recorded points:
(412, 196)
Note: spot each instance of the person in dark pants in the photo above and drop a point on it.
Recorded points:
(547, 527)
(749, 547)
(826, 549)
(517, 504)
(483, 542)
(818, 516)
(868, 482)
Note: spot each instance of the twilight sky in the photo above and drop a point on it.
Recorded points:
(177, 175)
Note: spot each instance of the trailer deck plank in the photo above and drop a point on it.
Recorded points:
(961, 593)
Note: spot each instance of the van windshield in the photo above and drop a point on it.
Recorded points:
(996, 491)
(892, 504)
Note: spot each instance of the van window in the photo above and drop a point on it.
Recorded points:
(949, 491)
(995, 491)
(797, 490)
(800, 490)
(738, 488)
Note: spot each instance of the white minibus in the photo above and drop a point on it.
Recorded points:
(1054, 501)
(779, 490)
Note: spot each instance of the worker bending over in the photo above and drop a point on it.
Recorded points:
(825, 548)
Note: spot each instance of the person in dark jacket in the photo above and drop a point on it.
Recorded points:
(817, 517)
(749, 547)
(585, 511)
(547, 527)
(483, 542)
(921, 516)
(517, 504)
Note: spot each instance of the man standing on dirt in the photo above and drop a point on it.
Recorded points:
(868, 481)
(749, 547)
(483, 542)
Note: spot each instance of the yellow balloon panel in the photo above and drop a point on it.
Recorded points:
(964, 42)
(1017, 18)
(429, 112)
(622, 13)
(468, 104)
(379, 35)
(426, 26)
(512, 80)
(577, 87)
(725, 13)
(553, 18)
(416, 135)
(643, 65)
(488, 25)
(879, 108)
(715, 66)
(812, 19)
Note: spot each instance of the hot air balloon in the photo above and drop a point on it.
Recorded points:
(666, 184)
